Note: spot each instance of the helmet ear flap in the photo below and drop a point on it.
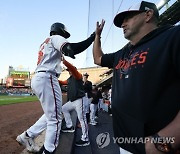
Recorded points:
(62, 32)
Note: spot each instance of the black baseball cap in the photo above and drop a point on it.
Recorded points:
(86, 74)
(143, 6)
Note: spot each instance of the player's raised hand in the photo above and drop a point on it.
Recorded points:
(99, 27)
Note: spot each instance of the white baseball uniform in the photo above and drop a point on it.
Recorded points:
(46, 87)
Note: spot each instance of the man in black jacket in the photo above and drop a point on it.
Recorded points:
(75, 93)
(146, 82)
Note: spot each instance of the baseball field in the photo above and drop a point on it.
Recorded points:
(5, 100)
(17, 113)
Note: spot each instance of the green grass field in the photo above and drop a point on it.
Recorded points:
(5, 100)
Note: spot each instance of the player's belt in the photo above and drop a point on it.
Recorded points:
(57, 75)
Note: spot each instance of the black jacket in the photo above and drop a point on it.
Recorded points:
(75, 89)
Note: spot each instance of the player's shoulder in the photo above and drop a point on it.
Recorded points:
(89, 82)
(174, 32)
(174, 28)
(56, 39)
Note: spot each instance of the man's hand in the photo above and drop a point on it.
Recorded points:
(97, 51)
(150, 148)
(99, 27)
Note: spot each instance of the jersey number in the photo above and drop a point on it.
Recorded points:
(40, 53)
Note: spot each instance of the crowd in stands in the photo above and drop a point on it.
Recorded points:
(16, 91)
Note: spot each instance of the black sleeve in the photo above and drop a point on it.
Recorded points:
(107, 60)
(83, 45)
(71, 49)
(68, 51)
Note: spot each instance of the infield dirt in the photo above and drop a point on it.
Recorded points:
(14, 119)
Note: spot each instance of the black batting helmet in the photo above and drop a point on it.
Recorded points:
(60, 29)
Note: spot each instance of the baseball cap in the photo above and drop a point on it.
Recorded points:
(143, 6)
(86, 74)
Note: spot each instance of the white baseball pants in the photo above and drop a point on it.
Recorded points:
(76, 105)
(47, 89)
(93, 109)
(86, 103)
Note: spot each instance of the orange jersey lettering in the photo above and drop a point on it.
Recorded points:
(133, 61)
(142, 57)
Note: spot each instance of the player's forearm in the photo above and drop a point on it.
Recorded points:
(97, 51)
(63, 82)
(83, 45)
(173, 130)
(73, 70)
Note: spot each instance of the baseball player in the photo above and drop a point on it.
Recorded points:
(75, 93)
(45, 85)
(96, 95)
(88, 95)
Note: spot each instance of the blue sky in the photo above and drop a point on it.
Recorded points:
(25, 24)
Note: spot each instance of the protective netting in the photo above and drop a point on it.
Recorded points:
(98, 10)
(112, 37)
